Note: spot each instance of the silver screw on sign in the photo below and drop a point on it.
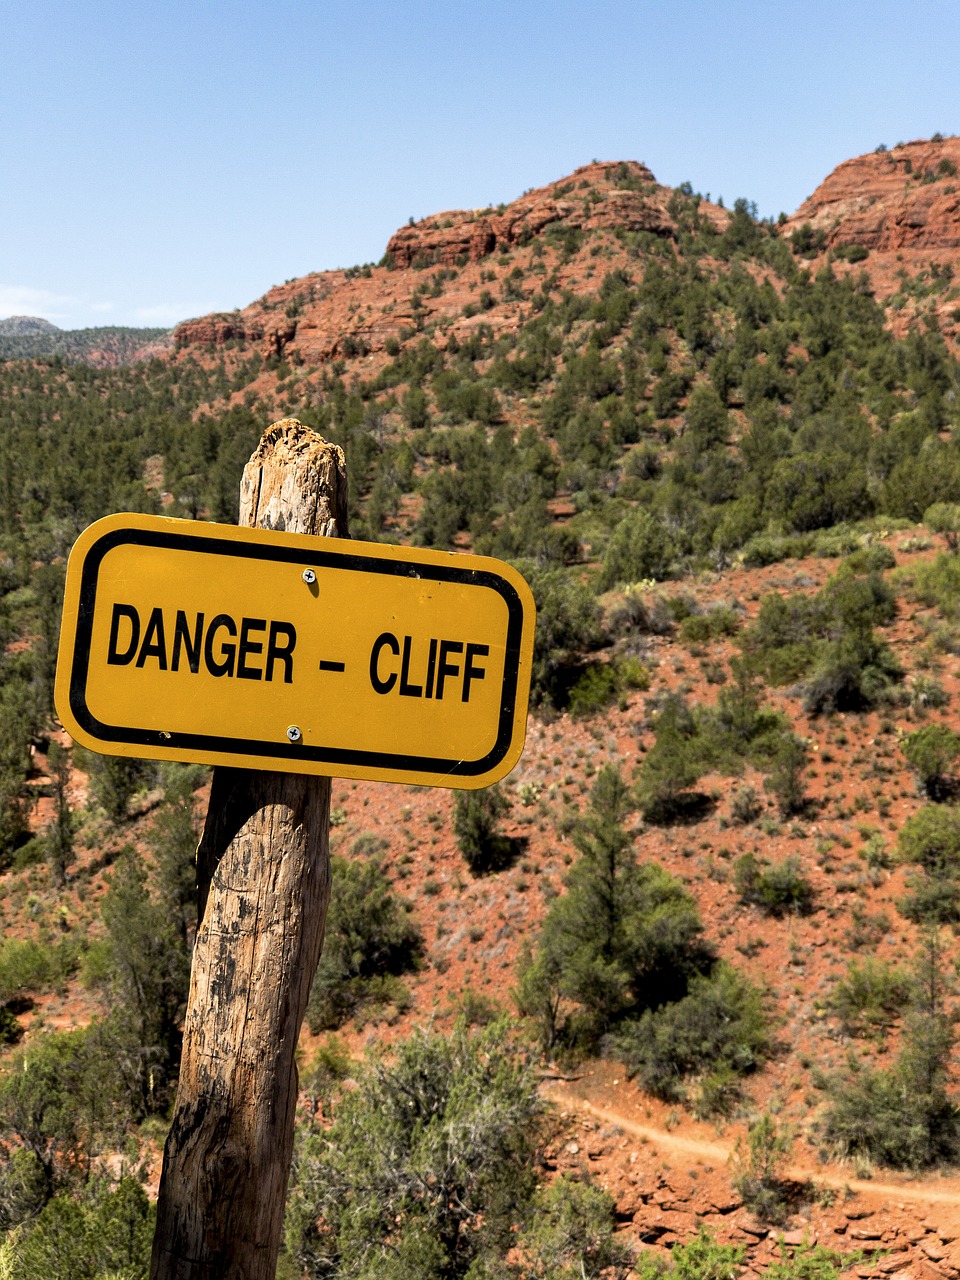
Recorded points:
(309, 577)
(294, 734)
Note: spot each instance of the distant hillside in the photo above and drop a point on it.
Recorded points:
(30, 338)
(24, 326)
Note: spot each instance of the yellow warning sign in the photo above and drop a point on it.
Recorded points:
(183, 640)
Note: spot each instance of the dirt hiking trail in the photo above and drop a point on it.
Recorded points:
(945, 1193)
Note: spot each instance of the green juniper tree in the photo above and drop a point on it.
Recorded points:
(623, 937)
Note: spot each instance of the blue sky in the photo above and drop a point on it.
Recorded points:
(162, 160)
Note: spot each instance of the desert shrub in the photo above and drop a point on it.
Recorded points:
(944, 517)
(568, 623)
(841, 540)
(829, 637)
(667, 394)
(814, 490)
(806, 242)
(740, 727)
(672, 765)
(902, 1115)
(17, 725)
(745, 807)
(142, 966)
(785, 778)
(602, 683)
(58, 837)
(925, 693)
(876, 853)
(114, 780)
(930, 838)
(717, 1028)
(415, 409)
(931, 751)
(875, 558)
(816, 1262)
(758, 1173)
(172, 839)
(108, 1232)
(329, 1066)
(24, 1187)
(853, 673)
(691, 741)
(852, 252)
(935, 583)
(879, 1116)
(702, 1258)
(782, 642)
(715, 623)
(707, 423)
(428, 1167)
(595, 689)
(62, 1100)
(369, 941)
(639, 547)
(476, 817)
(640, 610)
(29, 965)
(932, 900)
(869, 997)
(764, 549)
(572, 1235)
(776, 888)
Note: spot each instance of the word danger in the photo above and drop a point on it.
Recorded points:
(251, 649)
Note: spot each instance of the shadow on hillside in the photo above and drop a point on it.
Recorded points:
(500, 852)
(684, 810)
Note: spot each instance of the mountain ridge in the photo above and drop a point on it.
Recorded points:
(899, 234)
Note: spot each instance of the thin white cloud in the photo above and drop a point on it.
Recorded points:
(71, 312)
(162, 313)
(22, 300)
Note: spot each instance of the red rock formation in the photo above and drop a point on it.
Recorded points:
(443, 239)
(214, 330)
(894, 216)
(905, 198)
(345, 314)
(621, 195)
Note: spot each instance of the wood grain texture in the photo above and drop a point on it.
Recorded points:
(263, 869)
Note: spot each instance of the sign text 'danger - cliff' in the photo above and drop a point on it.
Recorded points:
(193, 641)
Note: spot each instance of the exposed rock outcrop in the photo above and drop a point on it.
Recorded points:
(893, 215)
(904, 198)
(622, 195)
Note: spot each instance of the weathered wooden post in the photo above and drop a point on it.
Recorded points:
(177, 643)
(264, 884)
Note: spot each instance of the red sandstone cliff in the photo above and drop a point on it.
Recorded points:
(895, 215)
(332, 314)
(905, 198)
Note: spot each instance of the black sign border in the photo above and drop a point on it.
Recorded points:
(293, 754)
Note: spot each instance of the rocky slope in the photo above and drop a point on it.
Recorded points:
(894, 213)
(356, 313)
(669, 1173)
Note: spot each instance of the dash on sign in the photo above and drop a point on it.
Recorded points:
(325, 665)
